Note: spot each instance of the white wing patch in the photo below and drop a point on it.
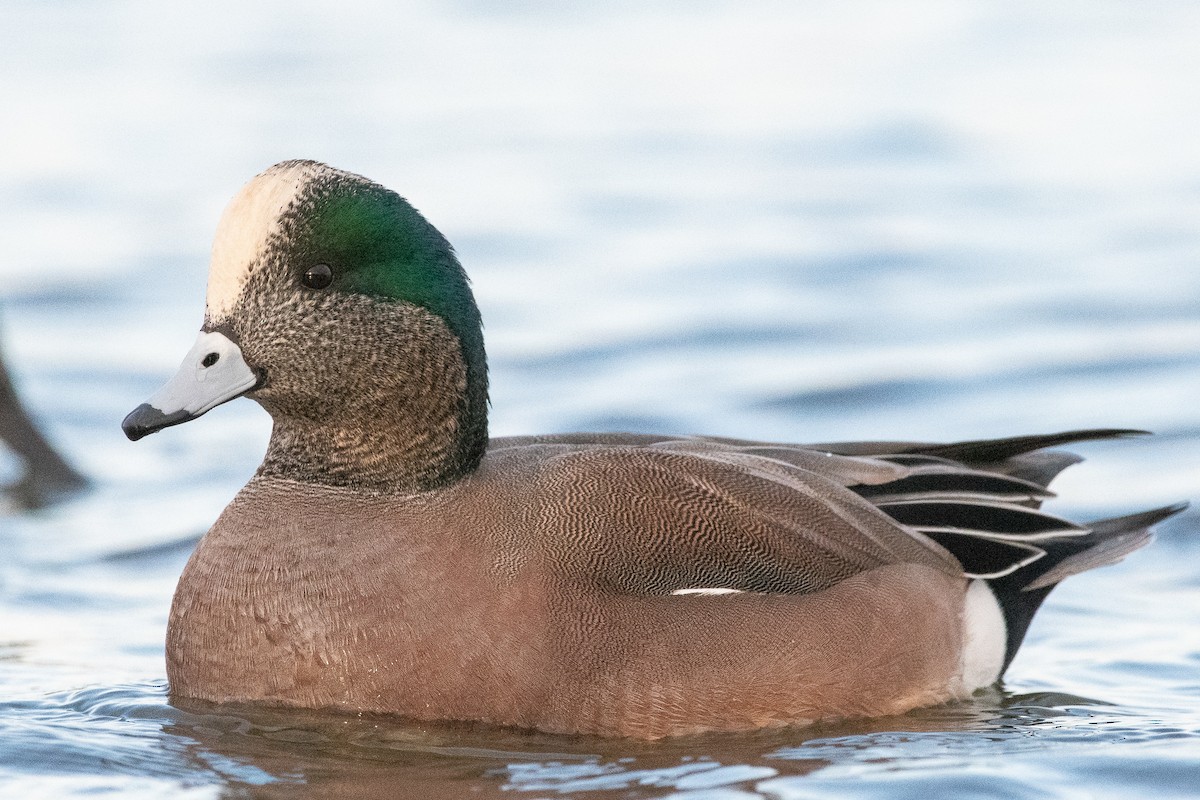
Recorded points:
(707, 592)
(248, 222)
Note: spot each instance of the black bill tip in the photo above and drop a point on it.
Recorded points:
(146, 419)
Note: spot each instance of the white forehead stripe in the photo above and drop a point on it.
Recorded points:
(248, 222)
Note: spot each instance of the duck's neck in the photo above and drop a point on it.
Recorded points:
(419, 426)
(365, 458)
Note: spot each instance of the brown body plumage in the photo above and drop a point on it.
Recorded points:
(387, 558)
(537, 592)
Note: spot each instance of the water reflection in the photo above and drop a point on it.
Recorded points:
(133, 731)
(359, 757)
(284, 753)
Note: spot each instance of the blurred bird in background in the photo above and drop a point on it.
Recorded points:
(46, 477)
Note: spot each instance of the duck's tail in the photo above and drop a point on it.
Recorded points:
(981, 501)
(1103, 542)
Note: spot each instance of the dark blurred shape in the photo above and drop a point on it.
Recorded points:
(47, 477)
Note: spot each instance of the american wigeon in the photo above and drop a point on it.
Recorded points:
(389, 557)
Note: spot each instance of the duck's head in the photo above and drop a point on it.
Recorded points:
(346, 315)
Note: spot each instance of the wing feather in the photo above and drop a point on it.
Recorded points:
(654, 521)
(660, 514)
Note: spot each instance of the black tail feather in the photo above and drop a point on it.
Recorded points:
(991, 451)
(1021, 593)
(993, 525)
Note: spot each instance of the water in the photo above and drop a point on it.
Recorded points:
(767, 220)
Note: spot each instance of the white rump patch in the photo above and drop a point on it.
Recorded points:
(249, 220)
(712, 591)
(984, 638)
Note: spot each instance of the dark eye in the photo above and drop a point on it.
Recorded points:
(318, 276)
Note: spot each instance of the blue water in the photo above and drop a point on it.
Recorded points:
(772, 220)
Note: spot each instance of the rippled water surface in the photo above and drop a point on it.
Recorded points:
(772, 220)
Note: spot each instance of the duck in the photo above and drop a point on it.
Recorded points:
(389, 557)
